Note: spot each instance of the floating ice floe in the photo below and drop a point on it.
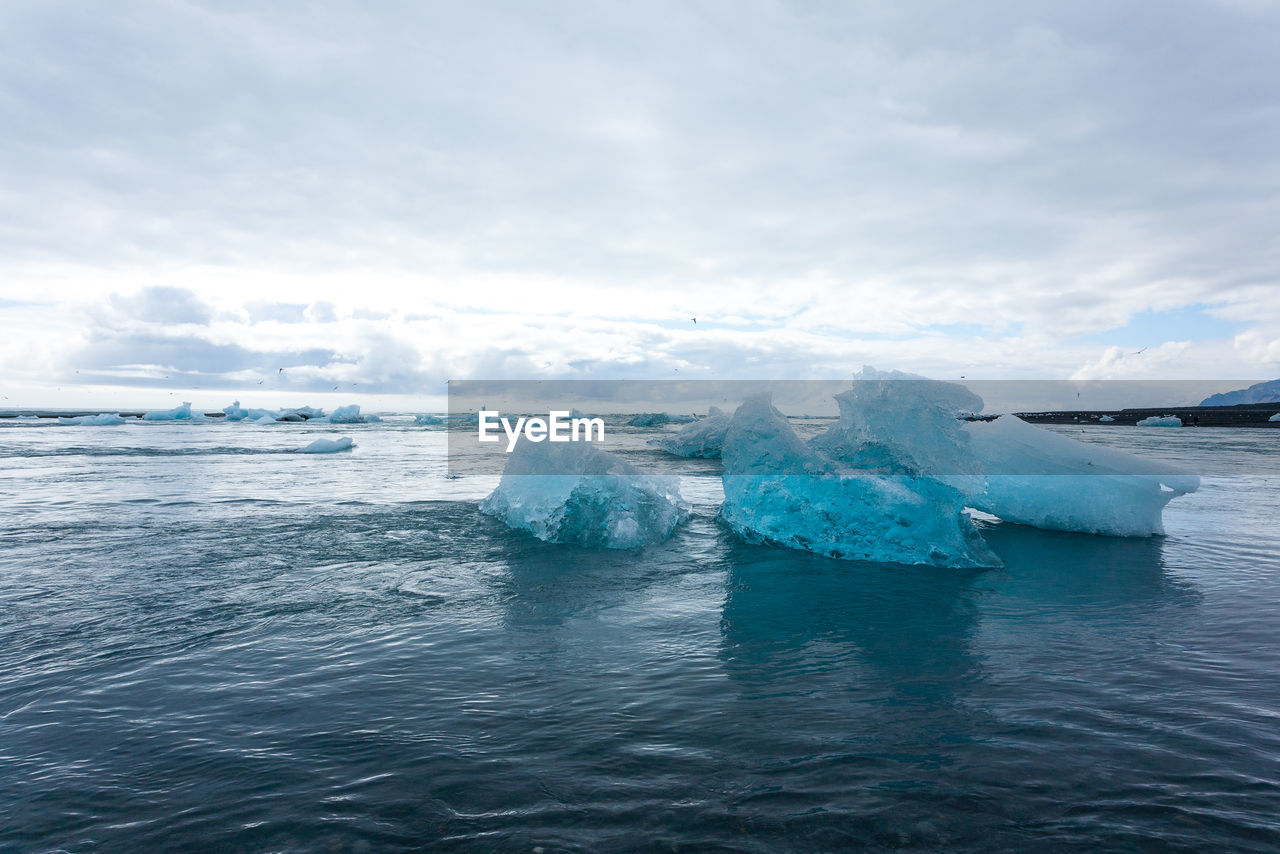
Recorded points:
(1161, 421)
(852, 493)
(1106, 418)
(265, 419)
(178, 413)
(1041, 478)
(104, 419)
(327, 446)
(1275, 417)
(235, 412)
(572, 492)
(704, 438)
(427, 420)
(658, 419)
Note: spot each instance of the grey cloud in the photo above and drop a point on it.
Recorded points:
(163, 305)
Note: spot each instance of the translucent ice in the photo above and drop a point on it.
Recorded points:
(427, 420)
(1275, 417)
(105, 419)
(703, 438)
(1161, 421)
(1041, 478)
(1106, 418)
(822, 498)
(327, 446)
(572, 492)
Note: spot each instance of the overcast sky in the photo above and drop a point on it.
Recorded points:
(378, 197)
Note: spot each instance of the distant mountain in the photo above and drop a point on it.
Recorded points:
(1266, 392)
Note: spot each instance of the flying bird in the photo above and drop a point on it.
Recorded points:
(695, 320)
(1140, 352)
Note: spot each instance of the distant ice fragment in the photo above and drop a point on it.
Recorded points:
(1275, 417)
(235, 412)
(349, 415)
(1041, 478)
(265, 419)
(427, 420)
(704, 438)
(658, 419)
(1107, 418)
(105, 419)
(178, 413)
(1161, 421)
(573, 492)
(327, 446)
(813, 496)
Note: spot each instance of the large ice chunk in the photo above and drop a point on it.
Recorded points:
(426, 419)
(703, 438)
(820, 497)
(1041, 478)
(104, 419)
(572, 492)
(1161, 421)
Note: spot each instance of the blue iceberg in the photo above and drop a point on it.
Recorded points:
(852, 493)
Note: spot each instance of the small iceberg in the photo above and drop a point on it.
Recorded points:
(1106, 418)
(104, 419)
(328, 446)
(178, 413)
(575, 493)
(658, 419)
(1275, 417)
(427, 420)
(1161, 421)
(266, 418)
(702, 439)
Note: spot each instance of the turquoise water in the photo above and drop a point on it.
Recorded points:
(209, 644)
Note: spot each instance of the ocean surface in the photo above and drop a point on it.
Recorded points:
(208, 643)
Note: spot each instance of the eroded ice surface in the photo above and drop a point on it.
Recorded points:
(572, 492)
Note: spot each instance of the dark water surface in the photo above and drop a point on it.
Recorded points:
(210, 645)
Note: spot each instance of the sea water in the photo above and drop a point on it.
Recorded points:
(208, 642)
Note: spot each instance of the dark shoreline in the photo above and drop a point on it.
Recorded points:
(1241, 415)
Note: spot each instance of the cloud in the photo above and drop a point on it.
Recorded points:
(559, 190)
